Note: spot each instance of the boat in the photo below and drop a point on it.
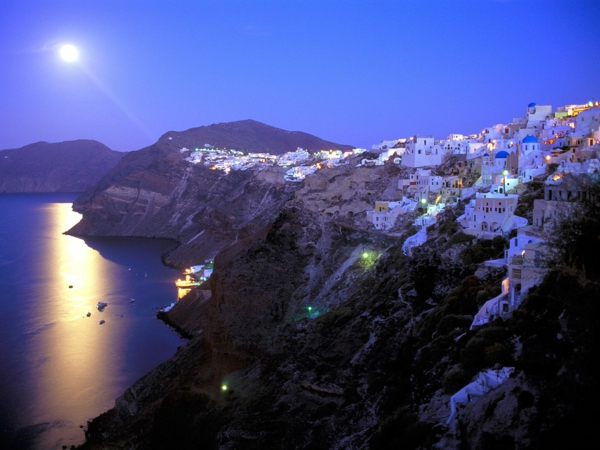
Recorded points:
(102, 322)
(102, 305)
(89, 314)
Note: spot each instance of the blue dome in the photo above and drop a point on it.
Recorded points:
(531, 105)
(502, 154)
(530, 140)
(486, 154)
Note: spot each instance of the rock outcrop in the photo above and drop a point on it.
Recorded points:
(71, 166)
(154, 192)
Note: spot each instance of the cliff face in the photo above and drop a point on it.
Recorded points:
(71, 166)
(319, 346)
(154, 192)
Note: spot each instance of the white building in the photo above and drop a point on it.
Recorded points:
(422, 151)
(291, 158)
(491, 214)
(385, 214)
(536, 114)
(561, 190)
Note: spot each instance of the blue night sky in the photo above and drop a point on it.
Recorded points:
(354, 72)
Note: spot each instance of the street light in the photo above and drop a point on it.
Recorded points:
(504, 179)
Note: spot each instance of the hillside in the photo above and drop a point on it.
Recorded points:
(250, 136)
(300, 341)
(70, 166)
(154, 192)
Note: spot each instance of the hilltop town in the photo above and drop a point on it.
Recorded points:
(487, 170)
(485, 173)
(410, 295)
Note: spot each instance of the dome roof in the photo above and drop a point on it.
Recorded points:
(532, 105)
(486, 154)
(502, 154)
(530, 140)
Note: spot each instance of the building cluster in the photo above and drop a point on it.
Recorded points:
(485, 167)
(300, 162)
(193, 276)
(485, 171)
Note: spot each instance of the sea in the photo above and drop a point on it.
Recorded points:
(60, 368)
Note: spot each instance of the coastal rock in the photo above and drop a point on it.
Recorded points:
(155, 193)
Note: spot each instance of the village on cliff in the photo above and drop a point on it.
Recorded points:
(485, 171)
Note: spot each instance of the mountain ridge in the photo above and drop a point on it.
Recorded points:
(250, 135)
(68, 166)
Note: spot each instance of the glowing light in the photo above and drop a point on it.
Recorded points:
(223, 387)
(69, 53)
(423, 201)
(505, 172)
(309, 308)
(365, 255)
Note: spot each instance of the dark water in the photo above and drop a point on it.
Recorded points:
(59, 368)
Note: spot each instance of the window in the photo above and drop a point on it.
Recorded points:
(516, 273)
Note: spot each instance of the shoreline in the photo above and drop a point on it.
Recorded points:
(162, 316)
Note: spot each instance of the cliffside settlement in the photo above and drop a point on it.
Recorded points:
(421, 294)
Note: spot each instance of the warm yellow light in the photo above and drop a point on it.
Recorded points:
(69, 53)
(224, 387)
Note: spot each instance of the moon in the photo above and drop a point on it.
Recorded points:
(69, 53)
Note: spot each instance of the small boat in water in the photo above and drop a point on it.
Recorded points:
(102, 322)
(102, 305)
(89, 314)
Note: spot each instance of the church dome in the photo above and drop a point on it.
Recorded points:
(502, 154)
(532, 105)
(530, 140)
(486, 154)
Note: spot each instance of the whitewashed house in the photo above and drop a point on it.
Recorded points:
(491, 214)
(422, 151)
(385, 213)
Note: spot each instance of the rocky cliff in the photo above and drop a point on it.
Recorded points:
(314, 333)
(71, 166)
(154, 192)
